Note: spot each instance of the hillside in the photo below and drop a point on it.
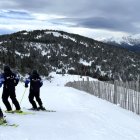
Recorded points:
(78, 116)
(49, 50)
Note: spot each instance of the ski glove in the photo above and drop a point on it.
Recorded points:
(41, 83)
(26, 85)
(1, 80)
(27, 82)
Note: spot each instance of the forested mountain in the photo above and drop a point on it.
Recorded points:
(50, 50)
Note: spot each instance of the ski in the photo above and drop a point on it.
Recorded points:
(24, 113)
(46, 110)
(20, 113)
(8, 124)
(5, 123)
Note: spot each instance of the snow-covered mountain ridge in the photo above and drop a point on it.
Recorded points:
(131, 42)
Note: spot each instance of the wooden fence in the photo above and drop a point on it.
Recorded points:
(126, 95)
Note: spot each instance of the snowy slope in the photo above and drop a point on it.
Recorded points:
(78, 116)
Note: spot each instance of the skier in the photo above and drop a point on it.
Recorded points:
(9, 81)
(35, 83)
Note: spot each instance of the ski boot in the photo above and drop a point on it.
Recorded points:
(41, 108)
(2, 120)
(9, 111)
(18, 111)
(34, 109)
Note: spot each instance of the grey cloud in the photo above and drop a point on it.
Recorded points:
(117, 15)
(107, 23)
(75, 7)
(99, 23)
(11, 14)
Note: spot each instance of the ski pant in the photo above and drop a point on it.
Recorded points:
(35, 94)
(10, 93)
(1, 114)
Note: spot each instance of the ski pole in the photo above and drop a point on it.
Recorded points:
(22, 96)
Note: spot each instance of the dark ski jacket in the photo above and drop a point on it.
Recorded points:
(35, 82)
(9, 80)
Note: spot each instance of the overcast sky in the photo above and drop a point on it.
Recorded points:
(92, 18)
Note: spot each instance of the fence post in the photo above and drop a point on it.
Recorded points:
(87, 85)
(99, 89)
(115, 92)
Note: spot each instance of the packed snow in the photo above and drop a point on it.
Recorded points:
(78, 116)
